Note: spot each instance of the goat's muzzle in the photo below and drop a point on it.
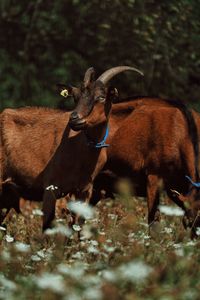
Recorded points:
(76, 122)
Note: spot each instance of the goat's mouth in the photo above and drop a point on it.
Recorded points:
(78, 124)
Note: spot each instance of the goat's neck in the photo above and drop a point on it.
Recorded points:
(96, 133)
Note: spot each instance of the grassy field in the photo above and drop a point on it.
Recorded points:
(114, 257)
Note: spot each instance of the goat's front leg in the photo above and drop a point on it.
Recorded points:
(84, 196)
(48, 208)
(152, 198)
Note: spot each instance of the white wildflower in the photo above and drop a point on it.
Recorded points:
(170, 244)
(22, 247)
(59, 220)
(109, 241)
(53, 282)
(92, 280)
(2, 228)
(9, 238)
(94, 242)
(167, 230)
(76, 227)
(92, 293)
(51, 187)
(135, 271)
(179, 252)
(6, 283)
(95, 220)
(198, 231)
(41, 253)
(177, 246)
(82, 209)
(109, 249)
(76, 272)
(131, 236)
(60, 229)
(109, 275)
(102, 233)
(73, 296)
(171, 210)
(37, 212)
(112, 216)
(78, 255)
(191, 243)
(92, 249)
(35, 258)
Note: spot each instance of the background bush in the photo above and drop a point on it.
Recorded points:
(46, 42)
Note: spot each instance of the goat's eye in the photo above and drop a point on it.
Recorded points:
(101, 99)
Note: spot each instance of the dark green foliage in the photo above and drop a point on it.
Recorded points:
(45, 42)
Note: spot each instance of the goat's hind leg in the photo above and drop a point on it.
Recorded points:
(9, 198)
(153, 199)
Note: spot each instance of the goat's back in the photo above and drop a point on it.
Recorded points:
(29, 137)
(152, 138)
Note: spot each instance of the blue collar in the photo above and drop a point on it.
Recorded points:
(194, 184)
(101, 144)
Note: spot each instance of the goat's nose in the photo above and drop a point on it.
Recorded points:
(74, 115)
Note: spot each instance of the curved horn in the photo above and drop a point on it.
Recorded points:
(89, 75)
(109, 74)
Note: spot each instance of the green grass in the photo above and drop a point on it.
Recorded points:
(115, 258)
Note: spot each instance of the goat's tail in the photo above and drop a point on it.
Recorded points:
(193, 132)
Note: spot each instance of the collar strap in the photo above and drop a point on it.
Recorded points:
(101, 144)
(194, 184)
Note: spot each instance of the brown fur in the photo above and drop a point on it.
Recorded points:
(149, 143)
(38, 147)
(39, 150)
(120, 112)
(161, 149)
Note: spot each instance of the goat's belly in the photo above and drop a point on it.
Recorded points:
(32, 194)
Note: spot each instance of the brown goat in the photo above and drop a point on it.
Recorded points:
(46, 153)
(152, 142)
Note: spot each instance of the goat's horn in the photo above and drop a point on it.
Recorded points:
(109, 74)
(89, 75)
(175, 192)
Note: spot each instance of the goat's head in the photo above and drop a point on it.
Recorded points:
(191, 202)
(94, 99)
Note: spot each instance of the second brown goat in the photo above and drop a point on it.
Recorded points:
(152, 139)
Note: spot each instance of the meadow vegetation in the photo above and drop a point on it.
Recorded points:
(112, 257)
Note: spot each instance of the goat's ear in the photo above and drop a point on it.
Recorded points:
(113, 94)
